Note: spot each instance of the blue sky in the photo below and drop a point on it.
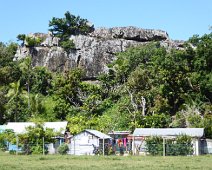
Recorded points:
(180, 18)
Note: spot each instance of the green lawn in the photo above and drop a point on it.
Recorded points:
(57, 162)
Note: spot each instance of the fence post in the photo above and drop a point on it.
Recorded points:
(164, 147)
(16, 144)
(74, 144)
(103, 146)
(43, 147)
(133, 146)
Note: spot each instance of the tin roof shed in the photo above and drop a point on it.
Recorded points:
(98, 134)
(169, 132)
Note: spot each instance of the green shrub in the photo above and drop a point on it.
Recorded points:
(67, 45)
(3, 145)
(154, 145)
(33, 41)
(12, 152)
(180, 146)
(37, 149)
(63, 149)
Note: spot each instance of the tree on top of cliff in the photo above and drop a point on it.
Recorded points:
(70, 25)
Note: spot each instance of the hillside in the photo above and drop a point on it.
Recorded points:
(142, 78)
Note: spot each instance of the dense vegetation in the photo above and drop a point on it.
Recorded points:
(146, 86)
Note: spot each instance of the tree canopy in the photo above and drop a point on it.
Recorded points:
(69, 25)
(146, 86)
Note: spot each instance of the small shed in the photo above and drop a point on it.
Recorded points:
(140, 134)
(84, 142)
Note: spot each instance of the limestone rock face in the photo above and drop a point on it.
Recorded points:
(130, 33)
(94, 51)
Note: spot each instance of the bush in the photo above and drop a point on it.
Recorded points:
(37, 149)
(63, 149)
(12, 152)
(33, 41)
(3, 145)
(67, 45)
(154, 145)
(180, 146)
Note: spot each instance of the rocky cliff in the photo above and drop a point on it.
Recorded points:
(94, 51)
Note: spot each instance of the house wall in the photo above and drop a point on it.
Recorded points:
(82, 144)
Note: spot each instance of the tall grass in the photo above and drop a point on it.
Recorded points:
(51, 162)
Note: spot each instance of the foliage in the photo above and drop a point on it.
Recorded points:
(9, 70)
(21, 37)
(146, 86)
(36, 149)
(67, 45)
(156, 121)
(3, 144)
(182, 146)
(70, 25)
(63, 149)
(32, 140)
(32, 41)
(154, 145)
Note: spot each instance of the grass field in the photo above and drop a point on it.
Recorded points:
(57, 162)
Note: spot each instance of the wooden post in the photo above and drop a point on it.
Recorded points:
(103, 146)
(74, 145)
(164, 147)
(43, 147)
(133, 146)
(16, 144)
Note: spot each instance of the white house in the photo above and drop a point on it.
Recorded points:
(139, 135)
(84, 142)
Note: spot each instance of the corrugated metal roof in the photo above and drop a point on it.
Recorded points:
(119, 133)
(193, 132)
(98, 134)
(20, 127)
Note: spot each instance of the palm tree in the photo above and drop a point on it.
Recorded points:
(26, 67)
(14, 94)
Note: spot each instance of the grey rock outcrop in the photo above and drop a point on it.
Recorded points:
(94, 51)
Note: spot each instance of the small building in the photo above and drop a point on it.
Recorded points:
(86, 141)
(139, 135)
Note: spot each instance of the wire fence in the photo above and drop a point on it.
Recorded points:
(164, 149)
